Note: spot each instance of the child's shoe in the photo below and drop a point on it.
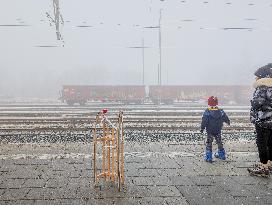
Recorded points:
(259, 170)
(208, 156)
(220, 154)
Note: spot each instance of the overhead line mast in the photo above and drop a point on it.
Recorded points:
(57, 20)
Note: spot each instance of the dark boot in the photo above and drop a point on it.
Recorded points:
(259, 170)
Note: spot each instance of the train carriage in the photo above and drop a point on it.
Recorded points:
(81, 94)
(229, 94)
(166, 94)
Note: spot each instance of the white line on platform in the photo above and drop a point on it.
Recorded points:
(127, 155)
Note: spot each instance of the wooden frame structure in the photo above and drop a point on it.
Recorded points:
(111, 139)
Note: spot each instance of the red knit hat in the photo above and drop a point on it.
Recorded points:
(212, 101)
(104, 111)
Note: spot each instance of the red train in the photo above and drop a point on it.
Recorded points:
(166, 94)
(72, 94)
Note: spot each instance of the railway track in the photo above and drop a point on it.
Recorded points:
(39, 121)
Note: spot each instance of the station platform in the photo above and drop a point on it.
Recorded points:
(155, 173)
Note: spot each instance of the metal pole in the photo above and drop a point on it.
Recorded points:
(160, 58)
(158, 74)
(159, 91)
(143, 61)
(57, 15)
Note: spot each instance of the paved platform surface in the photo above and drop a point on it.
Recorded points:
(156, 173)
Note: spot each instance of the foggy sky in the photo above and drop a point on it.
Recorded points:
(197, 46)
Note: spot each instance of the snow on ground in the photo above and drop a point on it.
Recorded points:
(55, 122)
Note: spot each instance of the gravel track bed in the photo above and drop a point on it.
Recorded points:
(54, 122)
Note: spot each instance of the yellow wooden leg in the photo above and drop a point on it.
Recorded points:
(108, 159)
(122, 161)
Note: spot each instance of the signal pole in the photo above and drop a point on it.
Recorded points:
(160, 53)
(143, 47)
(143, 59)
(57, 19)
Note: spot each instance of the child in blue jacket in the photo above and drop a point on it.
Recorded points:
(212, 120)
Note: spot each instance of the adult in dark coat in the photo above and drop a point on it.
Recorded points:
(261, 117)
